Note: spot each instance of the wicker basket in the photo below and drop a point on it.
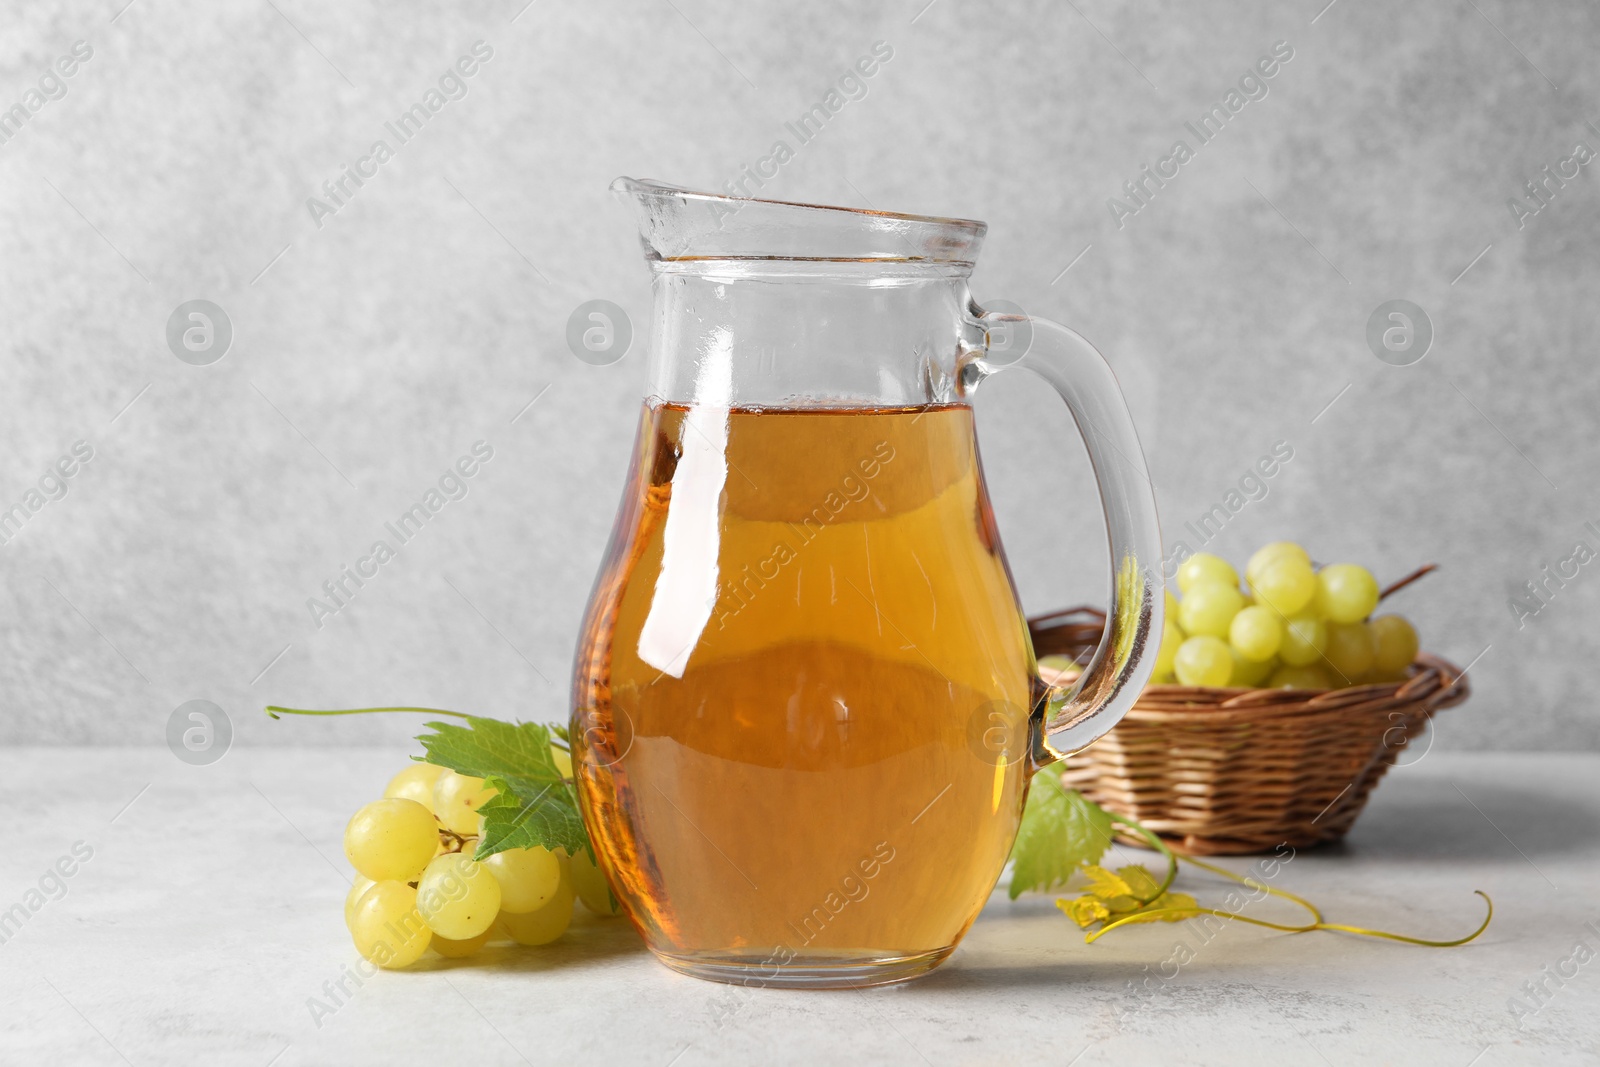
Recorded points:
(1219, 771)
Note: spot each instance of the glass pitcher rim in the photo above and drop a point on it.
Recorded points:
(682, 225)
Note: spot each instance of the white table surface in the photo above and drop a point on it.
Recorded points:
(211, 911)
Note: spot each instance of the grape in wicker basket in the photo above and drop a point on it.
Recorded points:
(1292, 625)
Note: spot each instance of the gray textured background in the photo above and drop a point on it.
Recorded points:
(428, 312)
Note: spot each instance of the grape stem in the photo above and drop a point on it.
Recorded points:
(558, 733)
(1361, 931)
(1251, 883)
(455, 842)
(1155, 843)
(1395, 587)
(1318, 921)
(276, 712)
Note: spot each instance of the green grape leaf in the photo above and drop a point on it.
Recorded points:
(519, 753)
(547, 818)
(1061, 831)
(534, 805)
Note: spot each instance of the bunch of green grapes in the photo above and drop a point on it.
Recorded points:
(1292, 625)
(417, 886)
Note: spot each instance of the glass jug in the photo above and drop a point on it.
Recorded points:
(805, 703)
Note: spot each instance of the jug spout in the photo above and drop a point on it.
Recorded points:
(677, 224)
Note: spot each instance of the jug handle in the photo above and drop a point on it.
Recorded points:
(1068, 718)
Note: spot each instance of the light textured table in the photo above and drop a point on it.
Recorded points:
(210, 913)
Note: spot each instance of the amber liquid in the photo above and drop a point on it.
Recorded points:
(786, 694)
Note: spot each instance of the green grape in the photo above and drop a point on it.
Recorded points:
(592, 887)
(1285, 584)
(1396, 643)
(457, 897)
(528, 877)
(1162, 678)
(1255, 633)
(358, 887)
(456, 800)
(1058, 663)
(416, 782)
(544, 925)
(1349, 652)
(451, 949)
(1346, 592)
(1247, 673)
(1171, 603)
(1270, 553)
(1204, 567)
(1207, 609)
(563, 760)
(1304, 640)
(1171, 638)
(386, 926)
(1302, 677)
(1204, 660)
(391, 839)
